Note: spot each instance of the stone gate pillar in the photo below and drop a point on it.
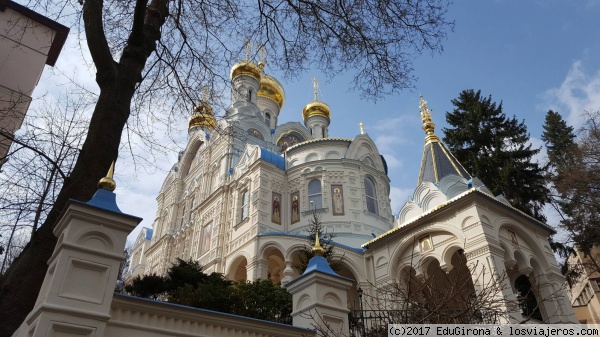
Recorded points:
(320, 297)
(77, 292)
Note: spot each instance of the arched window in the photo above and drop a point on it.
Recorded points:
(526, 297)
(371, 194)
(315, 196)
(249, 98)
(268, 119)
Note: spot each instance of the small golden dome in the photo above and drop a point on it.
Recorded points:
(202, 116)
(271, 88)
(317, 249)
(107, 182)
(245, 68)
(316, 108)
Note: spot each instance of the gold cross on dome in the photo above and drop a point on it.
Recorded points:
(362, 128)
(315, 88)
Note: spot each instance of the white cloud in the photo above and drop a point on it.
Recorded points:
(392, 161)
(391, 124)
(541, 157)
(399, 197)
(579, 92)
(388, 143)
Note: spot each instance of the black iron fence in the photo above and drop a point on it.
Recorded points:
(373, 323)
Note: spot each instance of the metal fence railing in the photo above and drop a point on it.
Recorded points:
(373, 323)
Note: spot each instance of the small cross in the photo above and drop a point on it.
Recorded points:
(362, 128)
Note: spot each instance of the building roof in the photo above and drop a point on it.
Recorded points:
(464, 195)
(61, 31)
(272, 157)
(438, 162)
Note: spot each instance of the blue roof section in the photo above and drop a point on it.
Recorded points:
(272, 157)
(318, 264)
(106, 200)
(149, 233)
(304, 236)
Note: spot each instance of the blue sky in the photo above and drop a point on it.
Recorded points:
(532, 55)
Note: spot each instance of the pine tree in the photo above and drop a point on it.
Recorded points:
(325, 240)
(560, 140)
(576, 179)
(496, 149)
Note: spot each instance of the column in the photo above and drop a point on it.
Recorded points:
(77, 292)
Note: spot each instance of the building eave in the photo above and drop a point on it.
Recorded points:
(472, 193)
(61, 31)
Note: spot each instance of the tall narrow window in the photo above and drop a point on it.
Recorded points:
(249, 98)
(191, 208)
(371, 195)
(315, 195)
(183, 211)
(244, 208)
(268, 119)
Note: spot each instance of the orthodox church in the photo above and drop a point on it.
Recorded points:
(243, 192)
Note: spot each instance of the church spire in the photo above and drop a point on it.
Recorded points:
(317, 114)
(108, 182)
(437, 161)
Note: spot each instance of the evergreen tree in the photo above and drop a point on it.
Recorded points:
(496, 149)
(577, 181)
(326, 241)
(560, 140)
(186, 284)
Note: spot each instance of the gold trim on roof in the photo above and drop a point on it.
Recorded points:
(435, 171)
(316, 140)
(454, 162)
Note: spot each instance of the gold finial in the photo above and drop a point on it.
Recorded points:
(315, 88)
(362, 128)
(428, 125)
(107, 182)
(317, 249)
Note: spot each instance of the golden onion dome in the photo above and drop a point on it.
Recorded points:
(245, 68)
(316, 108)
(202, 116)
(272, 89)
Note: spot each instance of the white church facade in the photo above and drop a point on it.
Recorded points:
(242, 194)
